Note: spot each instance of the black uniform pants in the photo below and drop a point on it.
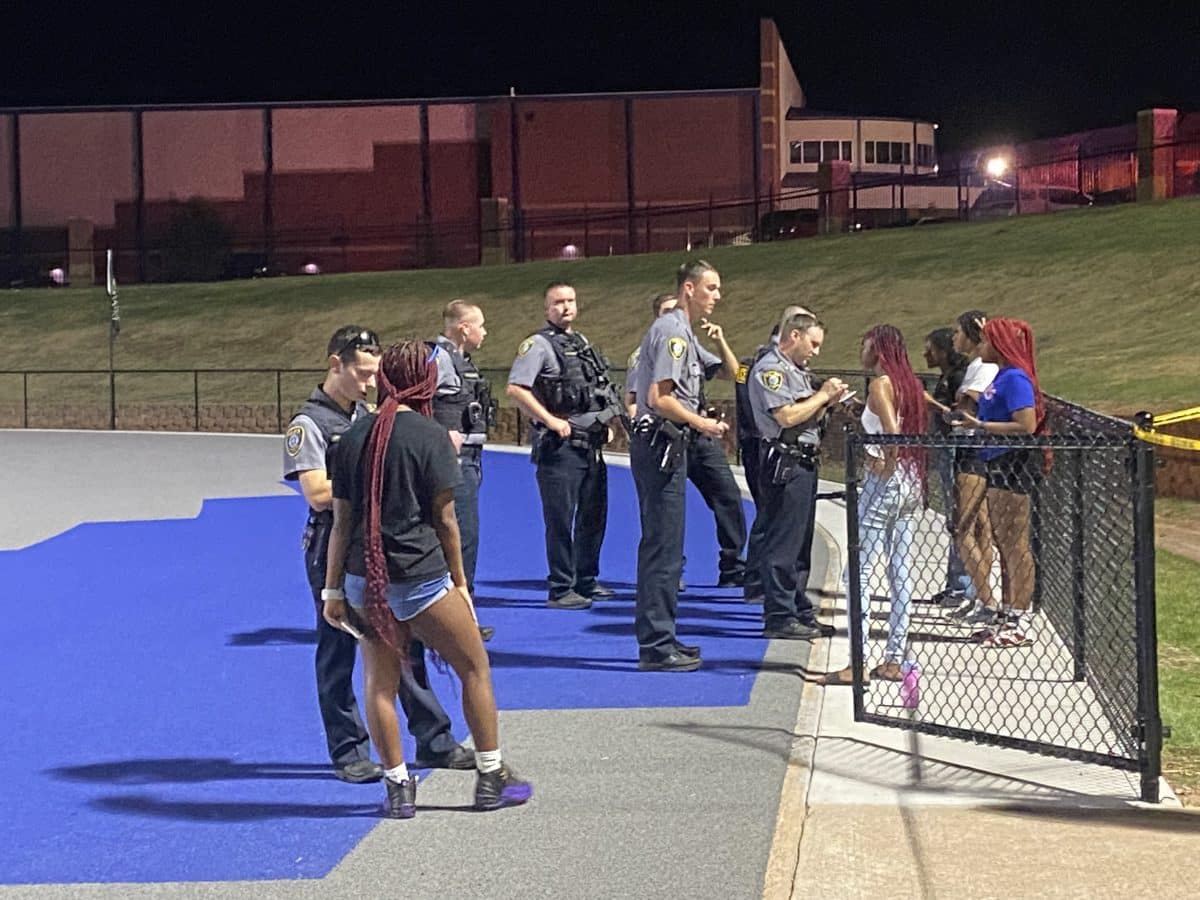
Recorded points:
(573, 482)
(345, 734)
(789, 511)
(661, 503)
(708, 469)
(750, 466)
(466, 508)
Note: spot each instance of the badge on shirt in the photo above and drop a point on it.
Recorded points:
(743, 373)
(525, 345)
(676, 346)
(772, 379)
(294, 440)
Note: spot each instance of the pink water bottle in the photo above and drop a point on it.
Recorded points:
(910, 686)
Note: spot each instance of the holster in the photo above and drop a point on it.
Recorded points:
(544, 443)
(784, 460)
(669, 441)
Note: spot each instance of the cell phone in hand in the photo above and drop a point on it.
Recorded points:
(847, 397)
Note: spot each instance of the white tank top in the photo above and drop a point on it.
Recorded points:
(872, 424)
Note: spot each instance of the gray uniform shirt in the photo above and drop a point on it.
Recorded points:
(536, 358)
(710, 361)
(449, 381)
(670, 352)
(776, 381)
(305, 446)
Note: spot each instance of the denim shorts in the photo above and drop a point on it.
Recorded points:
(407, 599)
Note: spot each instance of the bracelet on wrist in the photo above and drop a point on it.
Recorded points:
(332, 594)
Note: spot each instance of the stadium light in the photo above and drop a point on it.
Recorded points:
(996, 167)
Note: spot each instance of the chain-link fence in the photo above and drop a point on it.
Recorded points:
(1002, 589)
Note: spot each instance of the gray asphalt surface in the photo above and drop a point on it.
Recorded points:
(629, 803)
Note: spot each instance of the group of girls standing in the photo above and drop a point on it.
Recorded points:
(991, 511)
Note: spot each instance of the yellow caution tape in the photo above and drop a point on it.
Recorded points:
(1169, 440)
(1184, 415)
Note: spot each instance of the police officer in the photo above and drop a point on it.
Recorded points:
(463, 404)
(669, 415)
(788, 413)
(707, 466)
(309, 443)
(748, 449)
(561, 382)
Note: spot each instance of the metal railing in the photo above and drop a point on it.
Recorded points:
(1064, 524)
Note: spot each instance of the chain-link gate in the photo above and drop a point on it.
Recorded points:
(1008, 585)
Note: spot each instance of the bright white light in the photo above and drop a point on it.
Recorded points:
(996, 166)
(569, 251)
(312, 269)
(58, 276)
(936, 169)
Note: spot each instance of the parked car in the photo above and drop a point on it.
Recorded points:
(1000, 200)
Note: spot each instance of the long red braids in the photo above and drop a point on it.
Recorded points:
(1012, 339)
(408, 375)
(887, 343)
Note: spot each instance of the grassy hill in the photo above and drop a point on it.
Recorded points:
(1112, 295)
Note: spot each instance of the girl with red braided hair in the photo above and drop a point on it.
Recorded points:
(1011, 405)
(395, 538)
(890, 501)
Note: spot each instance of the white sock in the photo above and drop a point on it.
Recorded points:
(398, 774)
(487, 760)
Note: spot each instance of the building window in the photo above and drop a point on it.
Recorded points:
(908, 154)
(897, 153)
(812, 151)
(869, 150)
(925, 155)
(795, 154)
(846, 155)
(829, 151)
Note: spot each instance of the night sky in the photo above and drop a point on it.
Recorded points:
(985, 71)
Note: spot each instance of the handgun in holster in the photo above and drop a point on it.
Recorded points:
(669, 441)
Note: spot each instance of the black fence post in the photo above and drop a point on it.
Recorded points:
(279, 401)
(268, 210)
(630, 183)
(139, 195)
(195, 400)
(854, 586)
(1149, 722)
(14, 177)
(1078, 574)
(24, 399)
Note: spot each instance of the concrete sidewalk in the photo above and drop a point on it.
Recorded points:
(870, 811)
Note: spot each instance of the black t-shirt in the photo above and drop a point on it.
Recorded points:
(945, 392)
(420, 463)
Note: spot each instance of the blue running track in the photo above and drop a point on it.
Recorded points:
(158, 692)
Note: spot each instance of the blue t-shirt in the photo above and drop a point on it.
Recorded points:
(1009, 391)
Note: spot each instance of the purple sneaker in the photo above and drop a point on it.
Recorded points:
(401, 799)
(495, 790)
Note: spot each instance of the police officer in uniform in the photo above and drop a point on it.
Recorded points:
(463, 404)
(748, 449)
(707, 466)
(561, 382)
(788, 413)
(309, 444)
(669, 415)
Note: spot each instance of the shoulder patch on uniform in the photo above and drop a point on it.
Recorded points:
(743, 373)
(633, 358)
(524, 347)
(772, 379)
(676, 346)
(293, 440)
